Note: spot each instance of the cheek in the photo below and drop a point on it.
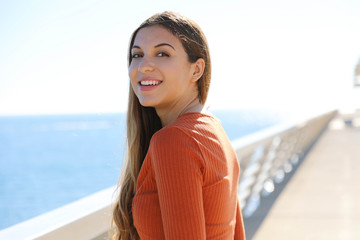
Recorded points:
(132, 74)
(131, 71)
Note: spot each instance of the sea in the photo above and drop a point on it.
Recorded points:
(47, 161)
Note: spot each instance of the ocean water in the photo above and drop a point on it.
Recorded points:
(49, 161)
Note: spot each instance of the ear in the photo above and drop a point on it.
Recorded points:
(198, 69)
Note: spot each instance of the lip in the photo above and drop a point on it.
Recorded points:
(148, 87)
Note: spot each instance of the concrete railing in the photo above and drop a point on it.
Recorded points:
(87, 218)
(265, 157)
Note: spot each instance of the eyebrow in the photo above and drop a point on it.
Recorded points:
(156, 46)
(164, 44)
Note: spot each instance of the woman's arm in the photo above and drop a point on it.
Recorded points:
(178, 168)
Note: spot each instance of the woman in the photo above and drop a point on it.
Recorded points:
(181, 175)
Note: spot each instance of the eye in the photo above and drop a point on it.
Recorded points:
(163, 54)
(136, 55)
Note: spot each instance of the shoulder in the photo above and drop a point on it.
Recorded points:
(174, 152)
(192, 128)
(174, 144)
(192, 131)
(171, 136)
(188, 126)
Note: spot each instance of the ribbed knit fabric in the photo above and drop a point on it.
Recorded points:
(187, 186)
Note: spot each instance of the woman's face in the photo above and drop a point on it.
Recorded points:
(160, 72)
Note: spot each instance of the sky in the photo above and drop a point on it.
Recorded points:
(64, 57)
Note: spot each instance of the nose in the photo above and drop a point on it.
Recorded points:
(146, 65)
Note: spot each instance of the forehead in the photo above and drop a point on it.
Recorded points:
(153, 35)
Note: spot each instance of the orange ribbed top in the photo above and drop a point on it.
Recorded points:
(187, 186)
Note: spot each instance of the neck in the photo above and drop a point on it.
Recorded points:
(169, 115)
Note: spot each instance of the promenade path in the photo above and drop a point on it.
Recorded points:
(322, 199)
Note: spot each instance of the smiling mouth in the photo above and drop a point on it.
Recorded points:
(149, 83)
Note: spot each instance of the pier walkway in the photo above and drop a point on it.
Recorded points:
(322, 199)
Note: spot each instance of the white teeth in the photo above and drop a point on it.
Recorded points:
(147, 83)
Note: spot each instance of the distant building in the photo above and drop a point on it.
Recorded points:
(357, 75)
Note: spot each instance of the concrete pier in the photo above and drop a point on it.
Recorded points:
(322, 199)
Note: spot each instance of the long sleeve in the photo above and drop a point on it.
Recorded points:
(187, 184)
(178, 170)
(239, 227)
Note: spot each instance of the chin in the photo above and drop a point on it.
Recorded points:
(150, 101)
(147, 104)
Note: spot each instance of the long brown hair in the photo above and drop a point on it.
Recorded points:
(143, 122)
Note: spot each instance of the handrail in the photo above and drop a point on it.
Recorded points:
(84, 219)
(265, 157)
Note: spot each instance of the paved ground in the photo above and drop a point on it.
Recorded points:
(322, 199)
